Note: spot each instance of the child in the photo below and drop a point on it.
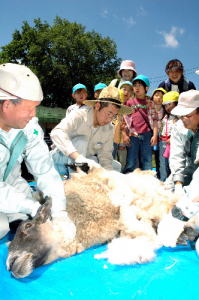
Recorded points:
(119, 153)
(98, 88)
(170, 100)
(141, 131)
(126, 88)
(157, 98)
(126, 72)
(176, 81)
(79, 94)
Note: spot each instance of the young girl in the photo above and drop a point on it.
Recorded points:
(170, 100)
(126, 72)
(157, 98)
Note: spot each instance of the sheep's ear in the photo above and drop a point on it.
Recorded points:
(44, 211)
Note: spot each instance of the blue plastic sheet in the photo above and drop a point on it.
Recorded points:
(173, 275)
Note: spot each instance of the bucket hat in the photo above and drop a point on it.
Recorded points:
(143, 78)
(187, 103)
(127, 65)
(19, 82)
(111, 95)
(159, 89)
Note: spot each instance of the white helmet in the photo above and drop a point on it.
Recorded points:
(19, 82)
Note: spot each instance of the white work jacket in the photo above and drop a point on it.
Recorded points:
(27, 144)
(78, 126)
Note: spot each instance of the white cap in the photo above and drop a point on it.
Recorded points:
(19, 82)
(187, 102)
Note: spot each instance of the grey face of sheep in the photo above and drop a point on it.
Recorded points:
(28, 249)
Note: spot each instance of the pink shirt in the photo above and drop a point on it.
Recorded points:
(144, 118)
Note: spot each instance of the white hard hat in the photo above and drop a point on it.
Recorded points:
(19, 82)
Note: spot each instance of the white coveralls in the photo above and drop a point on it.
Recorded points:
(15, 194)
(184, 164)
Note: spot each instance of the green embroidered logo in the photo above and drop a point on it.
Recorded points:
(35, 132)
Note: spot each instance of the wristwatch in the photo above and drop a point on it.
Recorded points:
(177, 213)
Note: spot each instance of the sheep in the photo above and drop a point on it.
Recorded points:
(104, 206)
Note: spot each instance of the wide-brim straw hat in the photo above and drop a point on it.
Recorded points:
(111, 95)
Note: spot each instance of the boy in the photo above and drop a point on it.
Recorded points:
(141, 131)
(127, 91)
(79, 94)
(119, 153)
(157, 98)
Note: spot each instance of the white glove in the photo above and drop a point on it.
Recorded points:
(178, 190)
(91, 163)
(169, 229)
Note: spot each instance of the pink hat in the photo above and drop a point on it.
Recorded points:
(127, 65)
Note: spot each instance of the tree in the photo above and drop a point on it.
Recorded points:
(62, 55)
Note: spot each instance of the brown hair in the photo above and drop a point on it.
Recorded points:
(174, 64)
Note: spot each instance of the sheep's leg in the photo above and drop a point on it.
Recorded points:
(126, 251)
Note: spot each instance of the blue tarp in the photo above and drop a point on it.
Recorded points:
(173, 275)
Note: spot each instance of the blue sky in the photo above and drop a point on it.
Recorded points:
(150, 32)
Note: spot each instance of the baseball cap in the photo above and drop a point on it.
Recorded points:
(19, 82)
(187, 102)
(78, 86)
(170, 97)
(125, 83)
(99, 86)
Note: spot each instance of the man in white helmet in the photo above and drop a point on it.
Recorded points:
(21, 138)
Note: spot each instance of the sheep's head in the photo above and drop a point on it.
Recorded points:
(37, 242)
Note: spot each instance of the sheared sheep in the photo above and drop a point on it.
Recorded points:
(104, 206)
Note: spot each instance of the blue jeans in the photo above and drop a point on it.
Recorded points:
(60, 160)
(139, 149)
(164, 162)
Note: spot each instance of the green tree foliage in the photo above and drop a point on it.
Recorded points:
(62, 55)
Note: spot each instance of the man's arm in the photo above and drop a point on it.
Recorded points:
(13, 201)
(40, 165)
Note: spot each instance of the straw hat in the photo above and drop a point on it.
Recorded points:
(111, 95)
